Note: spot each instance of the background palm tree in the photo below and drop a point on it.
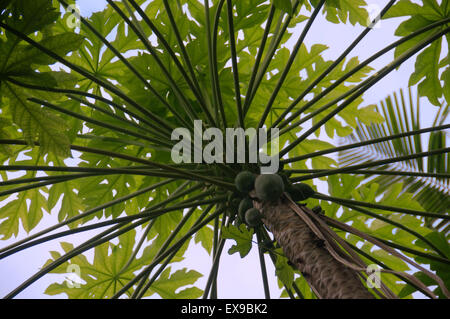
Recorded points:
(136, 72)
(425, 179)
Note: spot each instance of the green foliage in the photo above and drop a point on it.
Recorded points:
(86, 117)
(16, 212)
(284, 5)
(244, 205)
(401, 117)
(21, 62)
(242, 236)
(107, 274)
(430, 63)
(441, 269)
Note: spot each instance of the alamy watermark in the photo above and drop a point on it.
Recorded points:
(374, 19)
(373, 276)
(74, 19)
(235, 145)
(73, 279)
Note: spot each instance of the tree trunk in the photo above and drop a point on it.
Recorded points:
(329, 278)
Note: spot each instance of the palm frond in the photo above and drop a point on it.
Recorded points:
(401, 116)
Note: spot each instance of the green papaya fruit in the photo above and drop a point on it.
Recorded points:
(300, 192)
(317, 210)
(244, 205)
(253, 217)
(269, 187)
(286, 181)
(245, 181)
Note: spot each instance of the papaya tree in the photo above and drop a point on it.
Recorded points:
(145, 123)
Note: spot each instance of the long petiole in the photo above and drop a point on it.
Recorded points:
(162, 124)
(371, 164)
(136, 27)
(141, 292)
(88, 119)
(396, 224)
(258, 59)
(168, 168)
(87, 213)
(145, 215)
(214, 71)
(234, 63)
(271, 51)
(157, 132)
(365, 143)
(366, 85)
(262, 263)
(346, 76)
(371, 172)
(288, 66)
(174, 247)
(191, 81)
(121, 58)
(344, 201)
(332, 66)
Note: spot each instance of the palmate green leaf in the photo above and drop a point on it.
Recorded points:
(24, 209)
(168, 285)
(340, 186)
(103, 277)
(249, 14)
(36, 123)
(284, 5)
(94, 56)
(17, 212)
(71, 204)
(428, 63)
(24, 56)
(20, 61)
(205, 237)
(320, 162)
(5, 128)
(29, 17)
(97, 190)
(242, 236)
(445, 77)
(427, 66)
(395, 196)
(304, 288)
(345, 11)
(107, 274)
(354, 187)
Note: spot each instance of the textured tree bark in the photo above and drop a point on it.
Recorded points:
(329, 278)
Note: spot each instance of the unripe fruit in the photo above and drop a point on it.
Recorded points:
(253, 217)
(317, 210)
(244, 205)
(245, 181)
(300, 192)
(269, 187)
(285, 179)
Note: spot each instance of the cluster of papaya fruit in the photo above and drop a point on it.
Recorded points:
(267, 188)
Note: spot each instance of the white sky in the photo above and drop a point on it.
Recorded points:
(238, 278)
